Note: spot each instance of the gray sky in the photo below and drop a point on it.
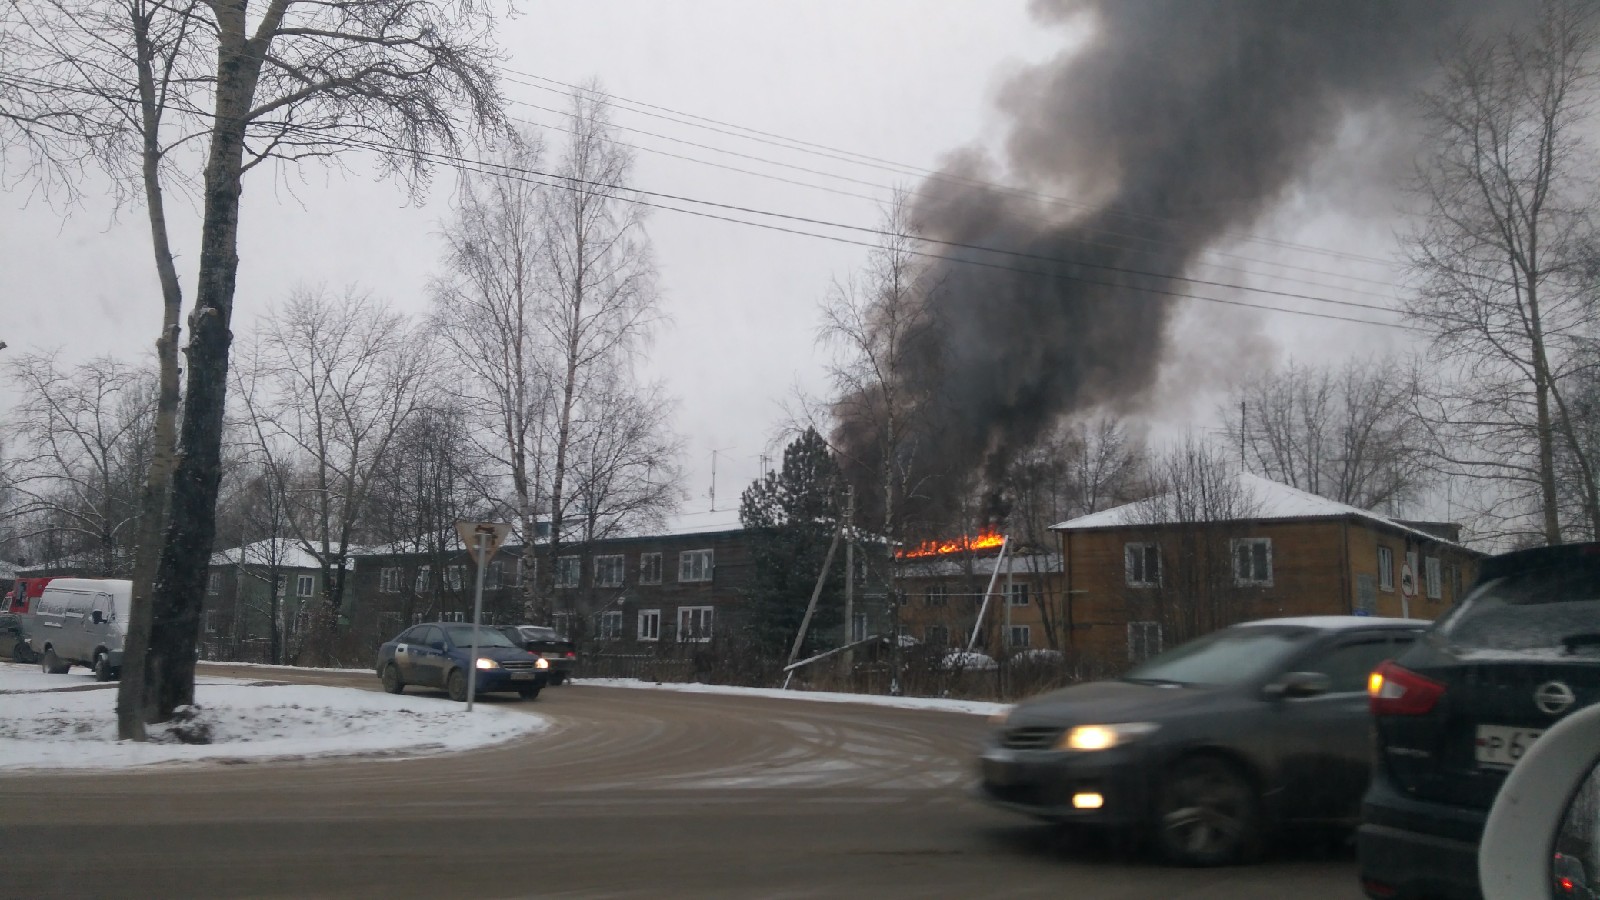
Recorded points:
(902, 80)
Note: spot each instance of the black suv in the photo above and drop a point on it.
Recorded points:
(1456, 711)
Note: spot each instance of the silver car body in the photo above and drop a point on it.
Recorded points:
(79, 618)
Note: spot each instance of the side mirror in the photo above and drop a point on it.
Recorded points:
(1296, 685)
(1542, 838)
(98, 617)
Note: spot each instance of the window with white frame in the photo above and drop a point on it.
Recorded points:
(1385, 568)
(611, 625)
(649, 624)
(649, 568)
(455, 577)
(493, 573)
(694, 623)
(936, 635)
(568, 570)
(1144, 640)
(516, 572)
(1252, 562)
(214, 583)
(1021, 636)
(455, 617)
(424, 579)
(608, 571)
(303, 586)
(1017, 594)
(416, 618)
(858, 628)
(934, 595)
(694, 565)
(282, 587)
(1433, 578)
(389, 580)
(1141, 564)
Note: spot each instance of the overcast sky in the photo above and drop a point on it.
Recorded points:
(901, 80)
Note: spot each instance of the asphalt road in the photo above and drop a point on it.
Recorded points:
(632, 793)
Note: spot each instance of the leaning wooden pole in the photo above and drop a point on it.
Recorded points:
(1005, 544)
(816, 592)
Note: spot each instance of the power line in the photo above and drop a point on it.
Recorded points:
(589, 188)
(796, 144)
(845, 193)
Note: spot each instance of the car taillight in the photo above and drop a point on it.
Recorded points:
(1396, 691)
(571, 655)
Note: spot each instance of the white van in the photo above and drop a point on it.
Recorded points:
(81, 622)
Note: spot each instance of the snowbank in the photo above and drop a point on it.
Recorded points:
(69, 722)
(973, 707)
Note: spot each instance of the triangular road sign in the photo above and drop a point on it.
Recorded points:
(487, 535)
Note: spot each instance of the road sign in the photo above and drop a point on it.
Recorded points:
(487, 536)
(1408, 581)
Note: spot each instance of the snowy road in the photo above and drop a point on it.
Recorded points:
(629, 793)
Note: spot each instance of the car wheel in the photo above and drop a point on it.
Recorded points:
(391, 679)
(456, 684)
(1208, 814)
(102, 667)
(52, 664)
(529, 693)
(22, 653)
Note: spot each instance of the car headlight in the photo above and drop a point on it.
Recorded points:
(541, 663)
(1104, 737)
(1000, 718)
(486, 663)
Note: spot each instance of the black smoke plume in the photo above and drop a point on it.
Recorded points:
(1178, 123)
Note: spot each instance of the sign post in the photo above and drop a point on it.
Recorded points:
(482, 539)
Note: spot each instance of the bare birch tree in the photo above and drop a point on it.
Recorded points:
(868, 320)
(291, 81)
(1347, 433)
(1501, 255)
(327, 386)
(487, 308)
(81, 439)
(599, 283)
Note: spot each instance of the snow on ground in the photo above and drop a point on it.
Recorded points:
(70, 723)
(245, 665)
(974, 707)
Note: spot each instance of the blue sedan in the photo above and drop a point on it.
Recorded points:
(439, 655)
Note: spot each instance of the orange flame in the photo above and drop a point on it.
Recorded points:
(988, 540)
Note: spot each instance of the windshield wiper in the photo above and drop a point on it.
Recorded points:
(1583, 639)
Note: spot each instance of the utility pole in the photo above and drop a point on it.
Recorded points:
(850, 579)
(1241, 435)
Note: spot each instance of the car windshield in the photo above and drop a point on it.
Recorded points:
(1551, 610)
(1233, 656)
(461, 636)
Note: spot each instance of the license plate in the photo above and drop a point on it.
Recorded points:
(1501, 745)
(522, 676)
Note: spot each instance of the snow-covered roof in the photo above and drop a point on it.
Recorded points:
(1270, 500)
(956, 565)
(288, 553)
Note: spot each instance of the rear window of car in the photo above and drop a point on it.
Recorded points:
(461, 636)
(535, 633)
(1549, 610)
(1230, 656)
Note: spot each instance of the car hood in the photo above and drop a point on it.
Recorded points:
(500, 654)
(1111, 701)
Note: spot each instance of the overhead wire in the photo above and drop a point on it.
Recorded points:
(720, 126)
(593, 188)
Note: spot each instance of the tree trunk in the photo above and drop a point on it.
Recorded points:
(133, 710)
(179, 589)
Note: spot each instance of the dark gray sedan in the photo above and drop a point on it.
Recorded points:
(1207, 746)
